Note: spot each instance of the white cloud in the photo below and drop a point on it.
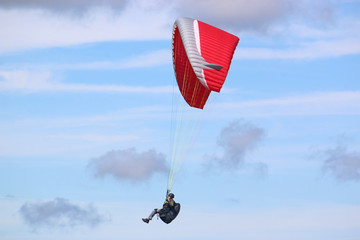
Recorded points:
(95, 137)
(320, 49)
(36, 28)
(152, 59)
(237, 14)
(145, 60)
(34, 137)
(321, 103)
(34, 140)
(64, 5)
(309, 42)
(44, 136)
(35, 81)
(30, 24)
(79, 135)
(23, 80)
(257, 16)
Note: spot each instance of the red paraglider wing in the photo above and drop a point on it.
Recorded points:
(202, 56)
(194, 93)
(217, 46)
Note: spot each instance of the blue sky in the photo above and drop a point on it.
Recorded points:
(86, 98)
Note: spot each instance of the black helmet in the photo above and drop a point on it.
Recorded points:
(171, 195)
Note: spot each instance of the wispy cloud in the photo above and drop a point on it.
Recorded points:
(35, 81)
(237, 140)
(59, 213)
(312, 50)
(24, 29)
(156, 58)
(317, 103)
(44, 136)
(239, 14)
(36, 136)
(258, 16)
(45, 23)
(128, 164)
(77, 6)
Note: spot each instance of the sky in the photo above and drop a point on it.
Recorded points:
(87, 94)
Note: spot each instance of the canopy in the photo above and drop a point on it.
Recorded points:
(202, 56)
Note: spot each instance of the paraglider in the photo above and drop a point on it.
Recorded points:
(168, 212)
(202, 56)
